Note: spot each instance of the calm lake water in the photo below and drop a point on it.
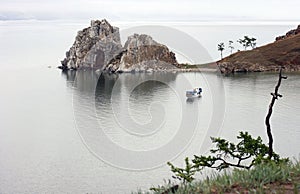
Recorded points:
(81, 132)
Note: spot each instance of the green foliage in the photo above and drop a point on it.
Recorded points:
(247, 148)
(186, 174)
(221, 47)
(255, 180)
(247, 41)
(168, 187)
(244, 181)
(159, 189)
(246, 153)
(188, 66)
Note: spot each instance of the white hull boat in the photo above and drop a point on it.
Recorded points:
(196, 92)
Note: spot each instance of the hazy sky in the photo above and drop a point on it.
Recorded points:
(172, 10)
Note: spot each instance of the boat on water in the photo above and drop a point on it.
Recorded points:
(196, 92)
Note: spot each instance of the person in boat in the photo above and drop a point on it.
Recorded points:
(199, 90)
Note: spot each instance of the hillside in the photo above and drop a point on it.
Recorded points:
(285, 51)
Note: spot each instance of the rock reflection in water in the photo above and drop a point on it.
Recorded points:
(134, 100)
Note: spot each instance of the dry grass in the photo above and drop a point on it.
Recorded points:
(263, 178)
(282, 52)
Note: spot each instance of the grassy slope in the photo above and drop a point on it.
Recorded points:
(212, 65)
(282, 52)
(264, 178)
(284, 178)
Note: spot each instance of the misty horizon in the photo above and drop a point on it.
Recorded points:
(134, 10)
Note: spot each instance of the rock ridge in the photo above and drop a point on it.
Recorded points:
(289, 34)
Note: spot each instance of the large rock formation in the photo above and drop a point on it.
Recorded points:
(284, 52)
(142, 53)
(94, 47)
(99, 47)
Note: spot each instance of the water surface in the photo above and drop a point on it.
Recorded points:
(41, 147)
(81, 132)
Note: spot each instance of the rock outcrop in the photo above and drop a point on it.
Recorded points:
(282, 53)
(99, 47)
(142, 53)
(94, 47)
(289, 34)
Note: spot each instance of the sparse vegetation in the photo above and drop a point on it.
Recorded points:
(187, 66)
(263, 178)
(221, 48)
(231, 47)
(265, 58)
(247, 42)
(245, 154)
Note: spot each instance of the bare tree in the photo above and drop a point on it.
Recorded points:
(275, 96)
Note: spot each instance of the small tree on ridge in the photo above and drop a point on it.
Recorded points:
(221, 48)
(230, 46)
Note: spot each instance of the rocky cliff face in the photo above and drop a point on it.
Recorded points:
(142, 53)
(94, 47)
(282, 53)
(99, 47)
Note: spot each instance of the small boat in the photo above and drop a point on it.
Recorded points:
(196, 92)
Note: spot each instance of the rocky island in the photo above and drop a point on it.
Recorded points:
(284, 52)
(99, 47)
(141, 53)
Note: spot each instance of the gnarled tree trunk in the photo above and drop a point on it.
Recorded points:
(275, 96)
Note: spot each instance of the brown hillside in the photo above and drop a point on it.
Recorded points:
(284, 52)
